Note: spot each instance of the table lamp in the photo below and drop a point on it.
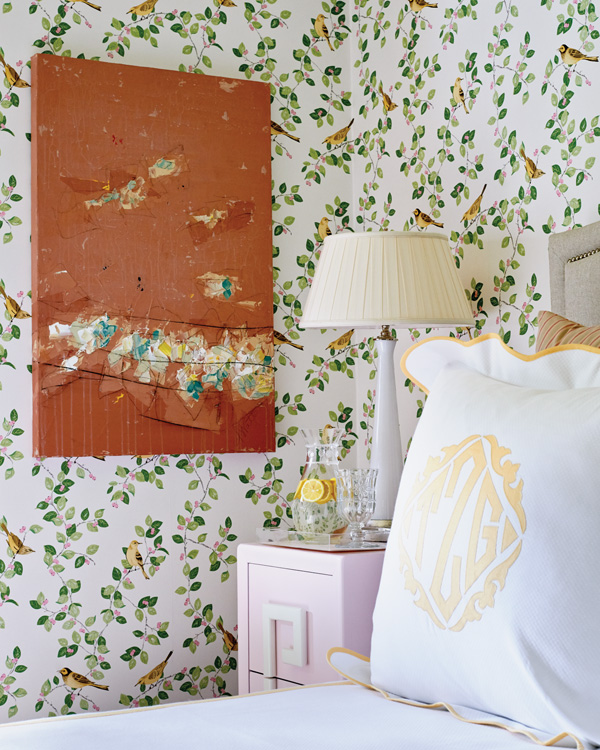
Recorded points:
(372, 279)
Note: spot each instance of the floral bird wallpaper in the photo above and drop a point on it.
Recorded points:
(117, 576)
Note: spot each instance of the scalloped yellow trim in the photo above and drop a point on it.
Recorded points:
(447, 706)
(488, 337)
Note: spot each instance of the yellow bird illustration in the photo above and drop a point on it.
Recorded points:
(155, 674)
(417, 5)
(388, 104)
(230, 640)
(279, 130)
(86, 2)
(424, 220)
(472, 212)
(227, 3)
(459, 94)
(343, 341)
(530, 167)
(134, 557)
(14, 79)
(77, 681)
(324, 230)
(340, 136)
(322, 30)
(143, 9)
(572, 56)
(16, 545)
(280, 339)
(14, 309)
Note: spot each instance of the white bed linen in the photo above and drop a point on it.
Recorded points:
(357, 668)
(338, 716)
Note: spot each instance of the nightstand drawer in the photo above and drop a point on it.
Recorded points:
(257, 683)
(314, 593)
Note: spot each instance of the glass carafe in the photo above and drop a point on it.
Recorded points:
(315, 507)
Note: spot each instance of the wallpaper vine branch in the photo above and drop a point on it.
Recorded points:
(120, 573)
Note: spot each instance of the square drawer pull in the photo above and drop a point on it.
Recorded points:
(297, 655)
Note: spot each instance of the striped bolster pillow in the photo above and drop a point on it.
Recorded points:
(554, 330)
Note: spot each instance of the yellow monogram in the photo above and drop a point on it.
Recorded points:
(461, 530)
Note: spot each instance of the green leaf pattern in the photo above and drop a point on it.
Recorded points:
(75, 600)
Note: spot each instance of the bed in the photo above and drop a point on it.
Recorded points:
(337, 717)
(392, 701)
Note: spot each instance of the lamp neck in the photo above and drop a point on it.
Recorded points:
(386, 334)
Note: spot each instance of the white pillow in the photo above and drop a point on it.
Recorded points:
(490, 593)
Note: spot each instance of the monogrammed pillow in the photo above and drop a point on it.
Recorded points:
(490, 593)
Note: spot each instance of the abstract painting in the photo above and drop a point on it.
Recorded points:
(152, 261)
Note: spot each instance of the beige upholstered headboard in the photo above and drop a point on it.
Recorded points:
(575, 274)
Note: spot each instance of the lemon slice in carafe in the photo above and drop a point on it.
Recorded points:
(313, 490)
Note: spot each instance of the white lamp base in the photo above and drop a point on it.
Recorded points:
(386, 447)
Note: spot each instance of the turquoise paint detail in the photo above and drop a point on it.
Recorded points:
(140, 346)
(194, 387)
(216, 378)
(227, 288)
(103, 333)
(164, 164)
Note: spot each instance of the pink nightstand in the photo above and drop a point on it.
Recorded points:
(294, 605)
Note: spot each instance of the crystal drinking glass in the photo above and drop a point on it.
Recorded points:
(356, 500)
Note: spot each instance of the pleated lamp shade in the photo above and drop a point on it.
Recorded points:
(369, 279)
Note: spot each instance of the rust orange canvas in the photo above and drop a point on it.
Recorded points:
(152, 261)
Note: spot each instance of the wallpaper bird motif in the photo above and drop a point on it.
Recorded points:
(369, 130)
